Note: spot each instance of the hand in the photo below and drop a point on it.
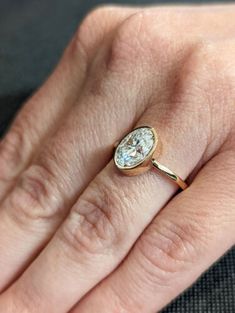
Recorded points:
(69, 218)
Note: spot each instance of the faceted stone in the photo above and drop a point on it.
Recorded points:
(134, 147)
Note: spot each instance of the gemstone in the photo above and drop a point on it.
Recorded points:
(134, 147)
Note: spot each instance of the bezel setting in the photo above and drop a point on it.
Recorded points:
(142, 142)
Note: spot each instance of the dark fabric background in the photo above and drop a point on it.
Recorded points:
(33, 34)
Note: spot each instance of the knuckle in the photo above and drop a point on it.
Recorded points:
(35, 196)
(138, 42)
(207, 70)
(95, 222)
(18, 143)
(125, 46)
(91, 31)
(12, 153)
(167, 248)
(205, 83)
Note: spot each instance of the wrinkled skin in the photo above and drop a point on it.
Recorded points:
(78, 236)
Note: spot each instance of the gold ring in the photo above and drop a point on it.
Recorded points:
(135, 154)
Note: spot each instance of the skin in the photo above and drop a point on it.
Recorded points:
(78, 236)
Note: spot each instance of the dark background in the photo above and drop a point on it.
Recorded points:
(33, 34)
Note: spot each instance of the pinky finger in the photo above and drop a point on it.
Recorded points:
(191, 232)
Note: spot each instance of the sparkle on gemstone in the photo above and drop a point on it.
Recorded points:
(134, 147)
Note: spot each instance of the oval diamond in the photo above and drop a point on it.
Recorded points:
(135, 147)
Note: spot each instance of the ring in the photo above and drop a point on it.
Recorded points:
(134, 154)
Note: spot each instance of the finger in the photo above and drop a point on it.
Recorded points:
(72, 156)
(40, 117)
(44, 111)
(192, 232)
(109, 215)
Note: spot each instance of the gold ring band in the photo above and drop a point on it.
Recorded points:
(134, 154)
(163, 169)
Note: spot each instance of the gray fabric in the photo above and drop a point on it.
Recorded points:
(32, 37)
